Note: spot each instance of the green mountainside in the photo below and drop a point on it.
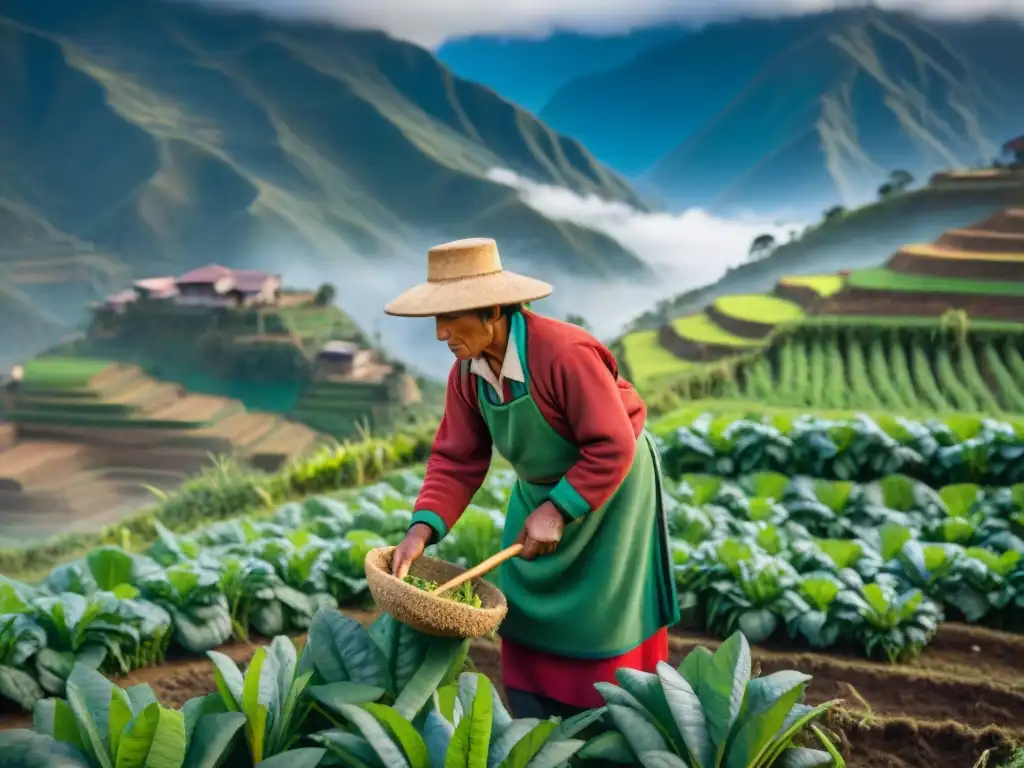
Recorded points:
(147, 137)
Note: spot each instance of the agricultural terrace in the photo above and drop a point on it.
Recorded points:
(877, 557)
(885, 279)
(92, 435)
(971, 278)
(643, 352)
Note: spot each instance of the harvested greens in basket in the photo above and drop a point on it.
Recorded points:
(463, 593)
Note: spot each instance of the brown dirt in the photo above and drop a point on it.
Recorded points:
(747, 329)
(943, 711)
(861, 301)
(913, 263)
(980, 240)
(799, 294)
(686, 349)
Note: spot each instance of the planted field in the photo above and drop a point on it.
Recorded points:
(822, 285)
(647, 360)
(701, 329)
(60, 373)
(844, 581)
(759, 308)
(906, 369)
(885, 279)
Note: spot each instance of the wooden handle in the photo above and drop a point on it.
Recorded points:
(476, 571)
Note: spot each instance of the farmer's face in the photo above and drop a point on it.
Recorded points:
(467, 334)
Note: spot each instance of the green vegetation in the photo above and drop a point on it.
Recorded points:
(703, 330)
(647, 360)
(464, 593)
(884, 279)
(823, 285)
(61, 373)
(758, 308)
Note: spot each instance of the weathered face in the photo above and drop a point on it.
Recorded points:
(467, 333)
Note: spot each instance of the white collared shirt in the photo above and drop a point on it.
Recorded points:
(511, 369)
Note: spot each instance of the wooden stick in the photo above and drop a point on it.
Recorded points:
(476, 571)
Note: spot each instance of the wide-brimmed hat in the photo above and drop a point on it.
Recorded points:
(465, 275)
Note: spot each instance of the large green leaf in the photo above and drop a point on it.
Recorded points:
(769, 700)
(342, 650)
(305, 757)
(20, 687)
(403, 733)
(646, 688)
(388, 749)
(89, 695)
(802, 757)
(722, 689)
(210, 743)
(529, 732)
(471, 740)
(110, 567)
(228, 679)
(121, 715)
(434, 667)
(27, 749)
(640, 732)
(437, 735)
(661, 760)
(688, 715)
(54, 717)
(258, 693)
(610, 746)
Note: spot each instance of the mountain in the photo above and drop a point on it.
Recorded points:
(140, 137)
(529, 71)
(802, 112)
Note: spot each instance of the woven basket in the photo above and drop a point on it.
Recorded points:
(429, 613)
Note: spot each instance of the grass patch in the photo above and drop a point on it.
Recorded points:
(882, 279)
(758, 308)
(61, 373)
(648, 360)
(703, 330)
(823, 285)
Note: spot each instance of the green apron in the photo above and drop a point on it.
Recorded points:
(608, 586)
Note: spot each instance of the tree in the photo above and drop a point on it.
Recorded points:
(325, 295)
(578, 320)
(886, 191)
(835, 212)
(900, 179)
(762, 245)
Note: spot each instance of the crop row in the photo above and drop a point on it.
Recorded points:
(389, 697)
(862, 449)
(269, 575)
(886, 373)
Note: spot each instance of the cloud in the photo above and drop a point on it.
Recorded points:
(686, 250)
(431, 23)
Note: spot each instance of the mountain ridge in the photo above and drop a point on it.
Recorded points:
(886, 90)
(165, 135)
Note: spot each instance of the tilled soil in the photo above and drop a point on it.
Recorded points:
(964, 696)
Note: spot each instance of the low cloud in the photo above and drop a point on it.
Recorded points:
(431, 23)
(685, 250)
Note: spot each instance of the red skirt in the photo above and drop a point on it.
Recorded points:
(571, 681)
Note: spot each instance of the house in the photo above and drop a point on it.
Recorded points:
(341, 358)
(217, 286)
(117, 302)
(156, 288)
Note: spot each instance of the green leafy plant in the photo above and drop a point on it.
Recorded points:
(466, 725)
(896, 625)
(710, 713)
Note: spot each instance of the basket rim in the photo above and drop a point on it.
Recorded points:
(449, 605)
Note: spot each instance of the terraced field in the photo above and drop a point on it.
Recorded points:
(85, 437)
(338, 408)
(860, 330)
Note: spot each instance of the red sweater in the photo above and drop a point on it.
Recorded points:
(575, 382)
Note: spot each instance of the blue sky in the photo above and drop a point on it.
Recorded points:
(431, 22)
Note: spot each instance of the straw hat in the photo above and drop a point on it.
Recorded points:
(465, 275)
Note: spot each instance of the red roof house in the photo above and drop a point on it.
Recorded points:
(214, 284)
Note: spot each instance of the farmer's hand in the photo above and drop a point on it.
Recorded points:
(542, 531)
(411, 549)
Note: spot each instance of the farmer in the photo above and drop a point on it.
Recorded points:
(593, 589)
